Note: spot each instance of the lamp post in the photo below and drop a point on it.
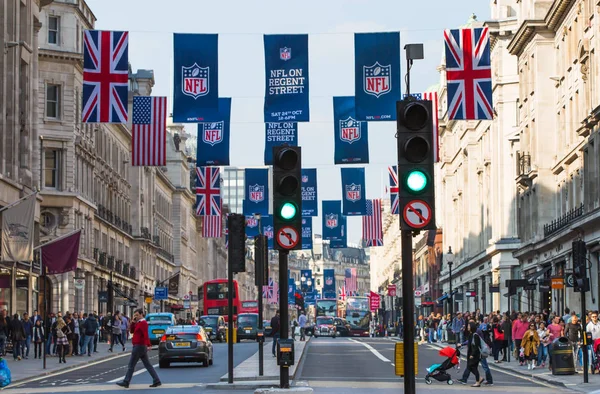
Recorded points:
(450, 260)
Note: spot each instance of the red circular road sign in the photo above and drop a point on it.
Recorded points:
(417, 213)
(288, 237)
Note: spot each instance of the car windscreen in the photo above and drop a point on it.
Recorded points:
(182, 336)
(210, 321)
(164, 320)
(251, 320)
(321, 321)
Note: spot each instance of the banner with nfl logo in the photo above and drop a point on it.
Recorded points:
(353, 189)
(332, 219)
(342, 242)
(257, 191)
(212, 144)
(329, 283)
(286, 78)
(351, 135)
(279, 134)
(377, 75)
(196, 77)
(291, 291)
(310, 203)
(268, 229)
(307, 233)
(251, 226)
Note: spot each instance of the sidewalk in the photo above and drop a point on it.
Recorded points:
(573, 382)
(34, 368)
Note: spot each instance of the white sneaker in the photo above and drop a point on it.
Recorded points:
(528, 366)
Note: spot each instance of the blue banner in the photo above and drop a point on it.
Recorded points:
(377, 75)
(353, 189)
(291, 291)
(268, 229)
(307, 233)
(279, 134)
(305, 277)
(332, 220)
(251, 226)
(310, 298)
(351, 135)
(196, 77)
(257, 191)
(329, 283)
(286, 78)
(212, 144)
(341, 242)
(310, 202)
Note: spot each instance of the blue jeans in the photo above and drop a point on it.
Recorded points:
(25, 345)
(275, 338)
(430, 338)
(486, 369)
(16, 348)
(49, 342)
(88, 343)
(542, 354)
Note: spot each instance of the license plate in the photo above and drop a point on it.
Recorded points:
(247, 328)
(181, 344)
(247, 331)
(158, 331)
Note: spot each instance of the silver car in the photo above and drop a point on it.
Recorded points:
(185, 344)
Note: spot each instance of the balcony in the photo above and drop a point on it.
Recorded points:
(101, 211)
(126, 269)
(102, 259)
(156, 239)
(132, 273)
(168, 256)
(111, 263)
(525, 173)
(145, 233)
(557, 224)
(119, 266)
(96, 254)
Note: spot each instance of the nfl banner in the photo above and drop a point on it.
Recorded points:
(291, 292)
(341, 242)
(196, 73)
(310, 203)
(279, 134)
(307, 233)
(332, 216)
(257, 191)
(268, 229)
(213, 138)
(351, 135)
(329, 283)
(377, 75)
(305, 276)
(353, 188)
(251, 226)
(286, 77)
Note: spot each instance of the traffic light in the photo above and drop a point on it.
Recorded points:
(261, 260)
(415, 164)
(287, 197)
(579, 252)
(236, 255)
(299, 298)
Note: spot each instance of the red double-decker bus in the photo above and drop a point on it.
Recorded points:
(249, 306)
(212, 298)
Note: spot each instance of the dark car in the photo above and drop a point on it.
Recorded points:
(185, 344)
(247, 326)
(342, 327)
(215, 327)
(267, 327)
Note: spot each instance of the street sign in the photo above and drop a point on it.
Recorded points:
(186, 304)
(288, 237)
(418, 301)
(79, 283)
(418, 293)
(148, 300)
(161, 293)
(417, 213)
(470, 293)
(570, 280)
(186, 297)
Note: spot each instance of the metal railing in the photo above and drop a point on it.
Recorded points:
(523, 164)
(563, 221)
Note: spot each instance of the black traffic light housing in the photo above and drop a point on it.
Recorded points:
(416, 164)
(579, 253)
(236, 256)
(299, 298)
(287, 197)
(261, 260)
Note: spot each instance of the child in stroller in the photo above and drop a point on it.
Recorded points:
(438, 371)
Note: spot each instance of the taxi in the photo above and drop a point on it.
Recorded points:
(158, 323)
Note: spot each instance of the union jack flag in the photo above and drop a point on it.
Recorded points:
(208, 191)
(469, 74)
(393, 170)
(271, 292)
(105, 76)
(342, 291)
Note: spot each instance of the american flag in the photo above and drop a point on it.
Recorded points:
(351, 280)
(105, 76)
(393, 171)
(149, 131)
(211, 226)
(433, 97)
(208, 191)
(226, 233)
(469, 74)
(372, 231)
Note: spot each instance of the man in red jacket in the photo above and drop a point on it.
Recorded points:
(141, 345)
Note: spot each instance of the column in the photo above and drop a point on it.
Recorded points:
(65, 292)
(90, 299)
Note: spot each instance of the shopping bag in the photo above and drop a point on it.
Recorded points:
(5, 377)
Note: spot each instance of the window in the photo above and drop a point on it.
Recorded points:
(53, 30)
(51, 168)
(53, 101)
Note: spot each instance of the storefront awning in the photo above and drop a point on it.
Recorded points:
(130, 300)
(537, 274)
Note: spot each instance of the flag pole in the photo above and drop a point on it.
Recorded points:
(58, 239)
(20, 200)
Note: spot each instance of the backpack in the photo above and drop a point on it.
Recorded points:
(484, 349)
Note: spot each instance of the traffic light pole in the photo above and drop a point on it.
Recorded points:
(585, 351)
(229, 323)
(408, 306)
(284, 374)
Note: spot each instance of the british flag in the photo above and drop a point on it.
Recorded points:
(208, 191)
(342, 291)
(105, 76)
(468, 74)
(393, 171)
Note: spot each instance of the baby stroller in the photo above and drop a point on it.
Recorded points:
(438, 371)
(595, 361)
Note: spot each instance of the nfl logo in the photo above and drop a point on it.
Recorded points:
(194, 80)
(269, 232)
(377, 79)
(257, 193)
(349, 130)
(329, 281)
(285, 54)
(251, 222)
(212, 133)
(331, 220)
(304, 178)
(353, 192)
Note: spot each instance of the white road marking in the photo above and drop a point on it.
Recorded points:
(372, 349)
(136, 373)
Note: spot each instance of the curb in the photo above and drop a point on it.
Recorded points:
(301, 359)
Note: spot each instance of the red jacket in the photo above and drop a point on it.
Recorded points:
(140, 333)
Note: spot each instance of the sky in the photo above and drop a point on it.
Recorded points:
(330, 25)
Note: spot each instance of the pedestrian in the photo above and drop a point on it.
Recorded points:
(124, 329)
(75, 322)
(62, 342)
(573, 333)
(141, 345)
(28, 328)
(302, 323)
(17, 334)
(498, 334)
(519, 328)
(38, 338)
(530, 344)
(3, 335)
(275, 326)
(115, 325)
(544, 335)
(473, 355)
(89, 328)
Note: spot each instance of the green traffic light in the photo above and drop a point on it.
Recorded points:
(288, 211)
(416, 181)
